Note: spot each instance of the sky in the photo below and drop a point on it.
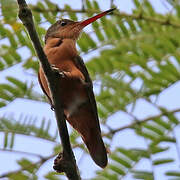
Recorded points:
(169, 99)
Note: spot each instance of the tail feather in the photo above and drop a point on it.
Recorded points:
(97, 150)
(85, 123)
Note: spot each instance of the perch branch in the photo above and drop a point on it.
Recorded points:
(67, 162)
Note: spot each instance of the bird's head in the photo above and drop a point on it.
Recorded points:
(68, 29)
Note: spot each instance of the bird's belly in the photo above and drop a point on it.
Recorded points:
(74, 106)
(73, 96)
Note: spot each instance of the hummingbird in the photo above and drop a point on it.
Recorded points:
(77, 95)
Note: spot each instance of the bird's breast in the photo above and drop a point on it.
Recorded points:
(66, 50)
(73, 92)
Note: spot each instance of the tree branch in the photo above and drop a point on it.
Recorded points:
(67, 162)
(139, 16)
(21, 152)
(134, 124)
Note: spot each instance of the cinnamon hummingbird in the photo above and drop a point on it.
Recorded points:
(77, 95)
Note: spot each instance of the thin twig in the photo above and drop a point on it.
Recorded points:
(68, 163)
(134, 124)
(139, 16)
(21, 152)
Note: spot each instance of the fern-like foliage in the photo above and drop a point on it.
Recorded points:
(25, 125)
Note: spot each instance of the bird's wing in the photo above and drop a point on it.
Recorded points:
(81, 66)
(44, 91)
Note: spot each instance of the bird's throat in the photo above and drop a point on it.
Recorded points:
(58, 49)
(68, 48)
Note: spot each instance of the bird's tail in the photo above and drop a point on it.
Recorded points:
(85, 123)
(96, 149)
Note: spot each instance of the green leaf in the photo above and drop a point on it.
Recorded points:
(149, 7)
(71, 14)
(9, 10)
(18, 176)
(143, 175)
(52, 176)
(123, 27)
(131, 25)
(137, 3)
(17, 83)
(8, 59)
(162, 161)
(117, 169)
(12, 39)
(2, 103)
(121, 161)
(128, 153)
(47, 15)
(154, 129)
(27, 165)
(107, 176)
(3, 31)
(21, 37)
(107, 31)
(172, 118)
(31, 64)
(162, 123)
(148, 135)
(12, 140)
(173, 173)
(2, 65)
(141, 152)
(97, 30)
(156, 149)
(6, 139)
(9, 89)
(88, 6)
(90, 41)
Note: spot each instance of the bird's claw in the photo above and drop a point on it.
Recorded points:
(62, 74)
(58, 71)
(57, 163)
(52, 108)
(54, 68)
(61, 163)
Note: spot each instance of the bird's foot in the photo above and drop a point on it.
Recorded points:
(57, 163)
(58, 71)
(52, 107)
(62, 164)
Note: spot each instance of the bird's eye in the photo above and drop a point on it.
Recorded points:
(63, 23)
